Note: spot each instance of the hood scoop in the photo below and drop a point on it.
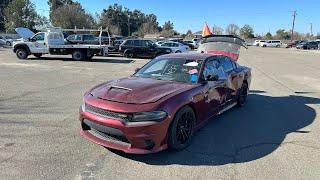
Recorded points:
(120, 88)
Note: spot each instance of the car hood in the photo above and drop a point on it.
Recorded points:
(136, 90)
(25, 33)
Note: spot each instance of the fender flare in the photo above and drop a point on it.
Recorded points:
(21, 46)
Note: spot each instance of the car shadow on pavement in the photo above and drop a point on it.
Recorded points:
(242, 134)
(100, 60)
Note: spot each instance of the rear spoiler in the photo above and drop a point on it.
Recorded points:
(225, 38)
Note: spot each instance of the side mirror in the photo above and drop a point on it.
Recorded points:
(212, 77)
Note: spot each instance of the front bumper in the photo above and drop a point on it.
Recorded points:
(135, 138)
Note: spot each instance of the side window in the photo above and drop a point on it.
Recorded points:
(88, 38)
(213, 66)
(226, 64)
(210, 67)
(71, 37)
(77, 37)
(38, 37)
(175, 45)
(136, 42)
(143, 43)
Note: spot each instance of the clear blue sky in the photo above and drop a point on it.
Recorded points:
(261, 15)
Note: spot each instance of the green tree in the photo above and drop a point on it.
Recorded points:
(3, 6)
(268, 36)
(21, 13)
(282, 34)
(121, 20)
(70, 16)
(246, 31)
(168, 29)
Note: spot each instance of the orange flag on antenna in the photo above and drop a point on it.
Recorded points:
(206, 30)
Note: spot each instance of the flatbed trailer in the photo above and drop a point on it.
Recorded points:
(51, 41)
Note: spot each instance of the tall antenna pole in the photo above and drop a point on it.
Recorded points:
(311, 31)
(294, 19)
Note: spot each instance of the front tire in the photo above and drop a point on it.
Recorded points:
(8, 43)
(243, 94)
(181, 129)
(22, 54)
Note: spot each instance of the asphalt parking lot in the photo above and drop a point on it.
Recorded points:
(274, 136)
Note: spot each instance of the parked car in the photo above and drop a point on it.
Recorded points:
(163, 103)
(116, 45)
(167, 100)
(257, 42)
(6, 41)
(194, 43)
(293, 44)
(308, 45)
(191, 46)
(82, 39)
(142, 48)
(176, 47)
(271, 43)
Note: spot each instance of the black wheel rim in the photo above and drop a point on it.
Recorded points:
(184, 128)
(243, 94)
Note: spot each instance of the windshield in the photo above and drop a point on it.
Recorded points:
(171, 69)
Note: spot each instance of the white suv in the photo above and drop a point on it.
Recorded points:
(258, 42)
(271, 43)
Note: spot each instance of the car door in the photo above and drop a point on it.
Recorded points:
(232, 79)
(215, 92)
(38, 44)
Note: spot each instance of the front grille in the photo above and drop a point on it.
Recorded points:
(108, 137)
(104, 132)
(107, 113)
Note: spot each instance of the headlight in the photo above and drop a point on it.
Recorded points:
(168, 50)
(149, 116)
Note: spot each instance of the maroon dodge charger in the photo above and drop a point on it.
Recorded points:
(164, 102)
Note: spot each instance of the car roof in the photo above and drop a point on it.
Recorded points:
(192, 56)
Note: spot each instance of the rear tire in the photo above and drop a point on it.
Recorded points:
(178, 51)
(243, 94)
(128, 54)
(21, 53)
(181, 129)
(37, 55)
(78, 55)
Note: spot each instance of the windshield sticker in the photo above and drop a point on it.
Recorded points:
(193, 71)
(192, 64)
(194, 78)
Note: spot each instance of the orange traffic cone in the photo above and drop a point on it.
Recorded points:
(206, 30)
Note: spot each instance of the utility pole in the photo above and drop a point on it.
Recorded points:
(294, 19)
(311, 31)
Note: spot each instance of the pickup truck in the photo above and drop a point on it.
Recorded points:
(51, 41)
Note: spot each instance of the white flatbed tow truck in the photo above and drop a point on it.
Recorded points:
(51, 41)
